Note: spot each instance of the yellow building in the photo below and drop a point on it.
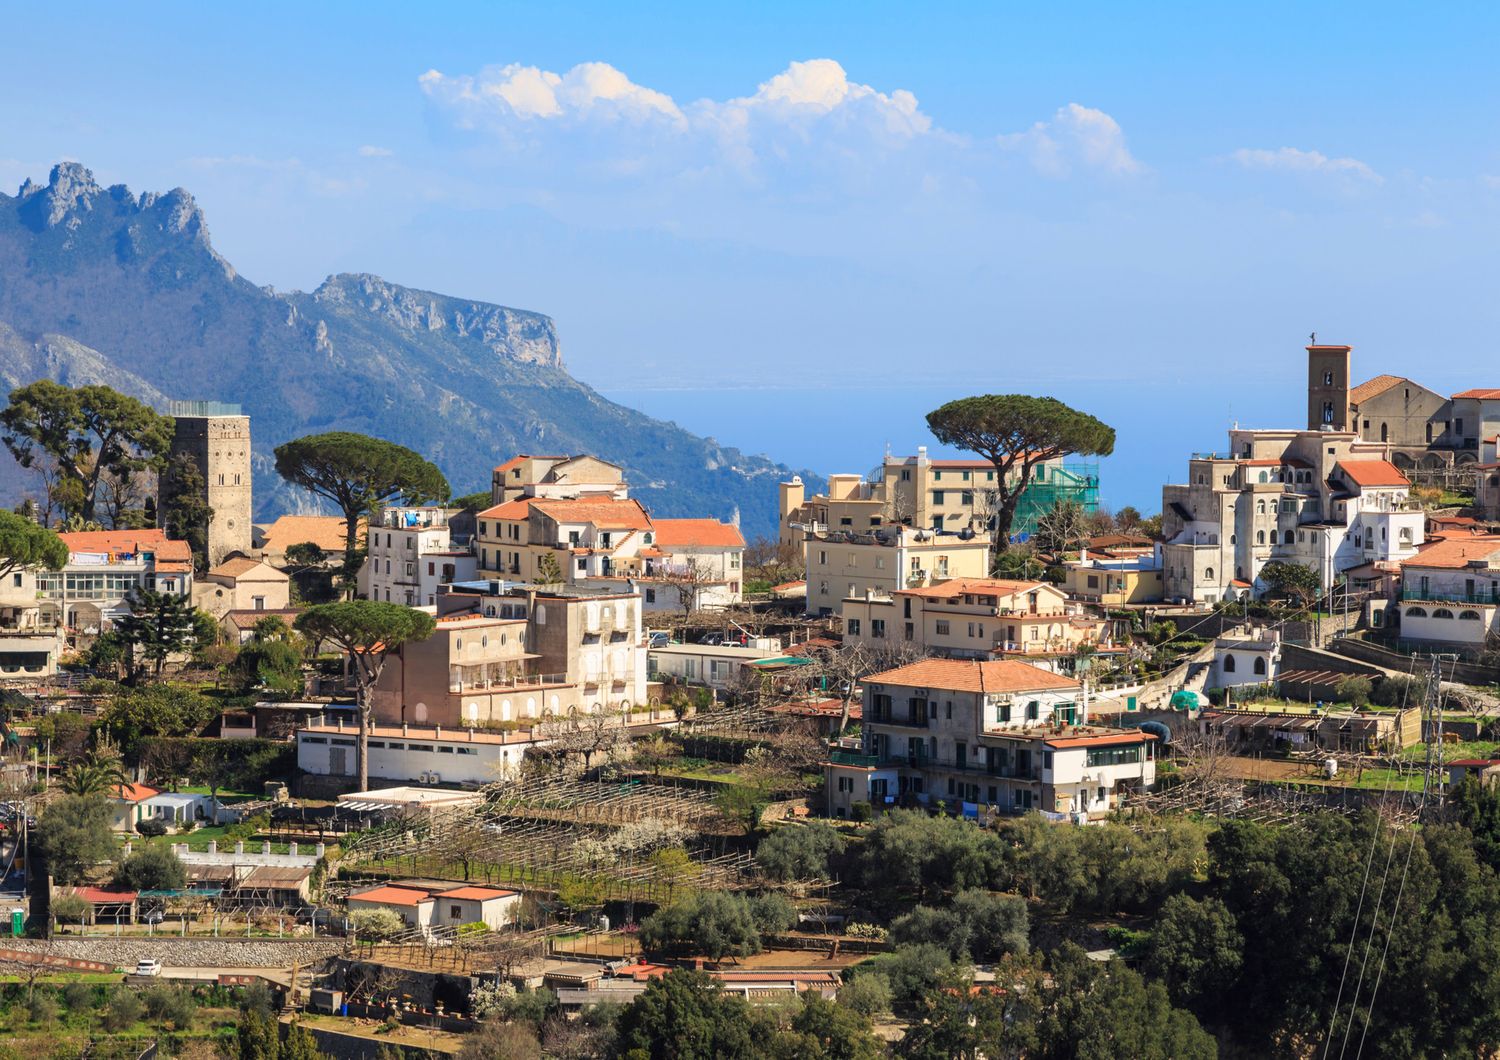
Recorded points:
(1114, 582)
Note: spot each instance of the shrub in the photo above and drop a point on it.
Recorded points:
(910, 971)
(1353, 690)
(79, 997)
(869, 995)
(42, 1008)
(70, 908)
(862, 812)
(152, 868)
(123, 1009)
(169, 1006)
(857, 929)
(490, 999)
(151, 826)
(800, 852)
(772, 913)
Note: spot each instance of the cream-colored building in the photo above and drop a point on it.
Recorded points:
(32, 638)
(586, 537)
(918, 491)
(104, 567)
(844, 565)
(978, 618)
(690, 565)
(240, 583)
(271, 540)
(998, 734)
(556, 478)
(1322, 499)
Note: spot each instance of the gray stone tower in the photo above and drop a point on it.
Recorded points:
(217, 437)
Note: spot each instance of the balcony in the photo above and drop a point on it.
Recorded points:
(905, 721)
(1435, 597)
(849, 758)
(1000, 772)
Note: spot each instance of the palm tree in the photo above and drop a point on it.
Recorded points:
(95, 775)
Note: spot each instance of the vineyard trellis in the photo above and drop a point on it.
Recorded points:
(532, 834)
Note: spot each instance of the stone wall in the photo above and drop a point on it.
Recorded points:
(124, 952)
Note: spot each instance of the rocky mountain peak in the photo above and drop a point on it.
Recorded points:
(70, 188)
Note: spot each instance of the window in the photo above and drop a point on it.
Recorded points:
(942, 627)
(937, 496)
(1229, 664)
(1288, 537)
(16, 579)
(1003, 713)
(651, 596)
(877, 628)
(853, 627)
(1033, 710)
(1468, 616)
(1113, 756)
(1416, 612)
(1328, 379)
(1441, 612)
(1260, 664)
(1208, 574)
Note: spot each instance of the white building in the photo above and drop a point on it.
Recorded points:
(426, 909)
(1322, 499)
(717, 666)
(401, 753)
(411, 553)
(1252, 660)
(1001, 735)
(1450, 593)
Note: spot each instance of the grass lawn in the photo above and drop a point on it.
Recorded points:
(199, 838)
(1452, 752)
(1379, 778)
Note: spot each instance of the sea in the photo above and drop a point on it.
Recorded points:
(1158, 423)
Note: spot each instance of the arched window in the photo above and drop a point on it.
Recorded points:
(1229, 664)
(1208, 574)
(1289, 537)
(1416, 612)
(1260, 507)
(1265, 476)
(1232, 538)
(1469, 616)
(1260, 664)
(1260, 537)
(1385, 432)
(1442, 612)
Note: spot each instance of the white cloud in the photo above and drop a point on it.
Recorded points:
(1292, 160)
(371, 151)
(1076, 136)
(517, 93)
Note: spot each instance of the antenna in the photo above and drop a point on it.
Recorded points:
(1312, 339)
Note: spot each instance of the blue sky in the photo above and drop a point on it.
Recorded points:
(1053, 198)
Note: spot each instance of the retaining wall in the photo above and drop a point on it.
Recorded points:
(180, 952)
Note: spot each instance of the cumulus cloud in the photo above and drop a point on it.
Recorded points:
(1292, 160)
(516, 93)
(1076, 136)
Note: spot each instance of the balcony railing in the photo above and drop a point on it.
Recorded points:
(907, 721)
(517, 681)
(1432, 596)
(981, 768)
(849, 758)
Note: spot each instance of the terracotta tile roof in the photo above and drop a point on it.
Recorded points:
(120, 541)
(102, 895)
(392, 896)
(1481, 394)
(1474, 763)
(1107, 739)
(237, 565)
(971, 587)
(687, 533)
(428, 734)
(325, 531)
(174, 566)
(1367, 473)
(788, 585)
(132, 792)
(965, 675)
(1373, 388)
(516, 509)
(607, 513)
(1455, 553)
(475, 894)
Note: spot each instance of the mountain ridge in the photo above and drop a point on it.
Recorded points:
(103, 285)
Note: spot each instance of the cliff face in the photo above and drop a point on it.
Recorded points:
(100, 285)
